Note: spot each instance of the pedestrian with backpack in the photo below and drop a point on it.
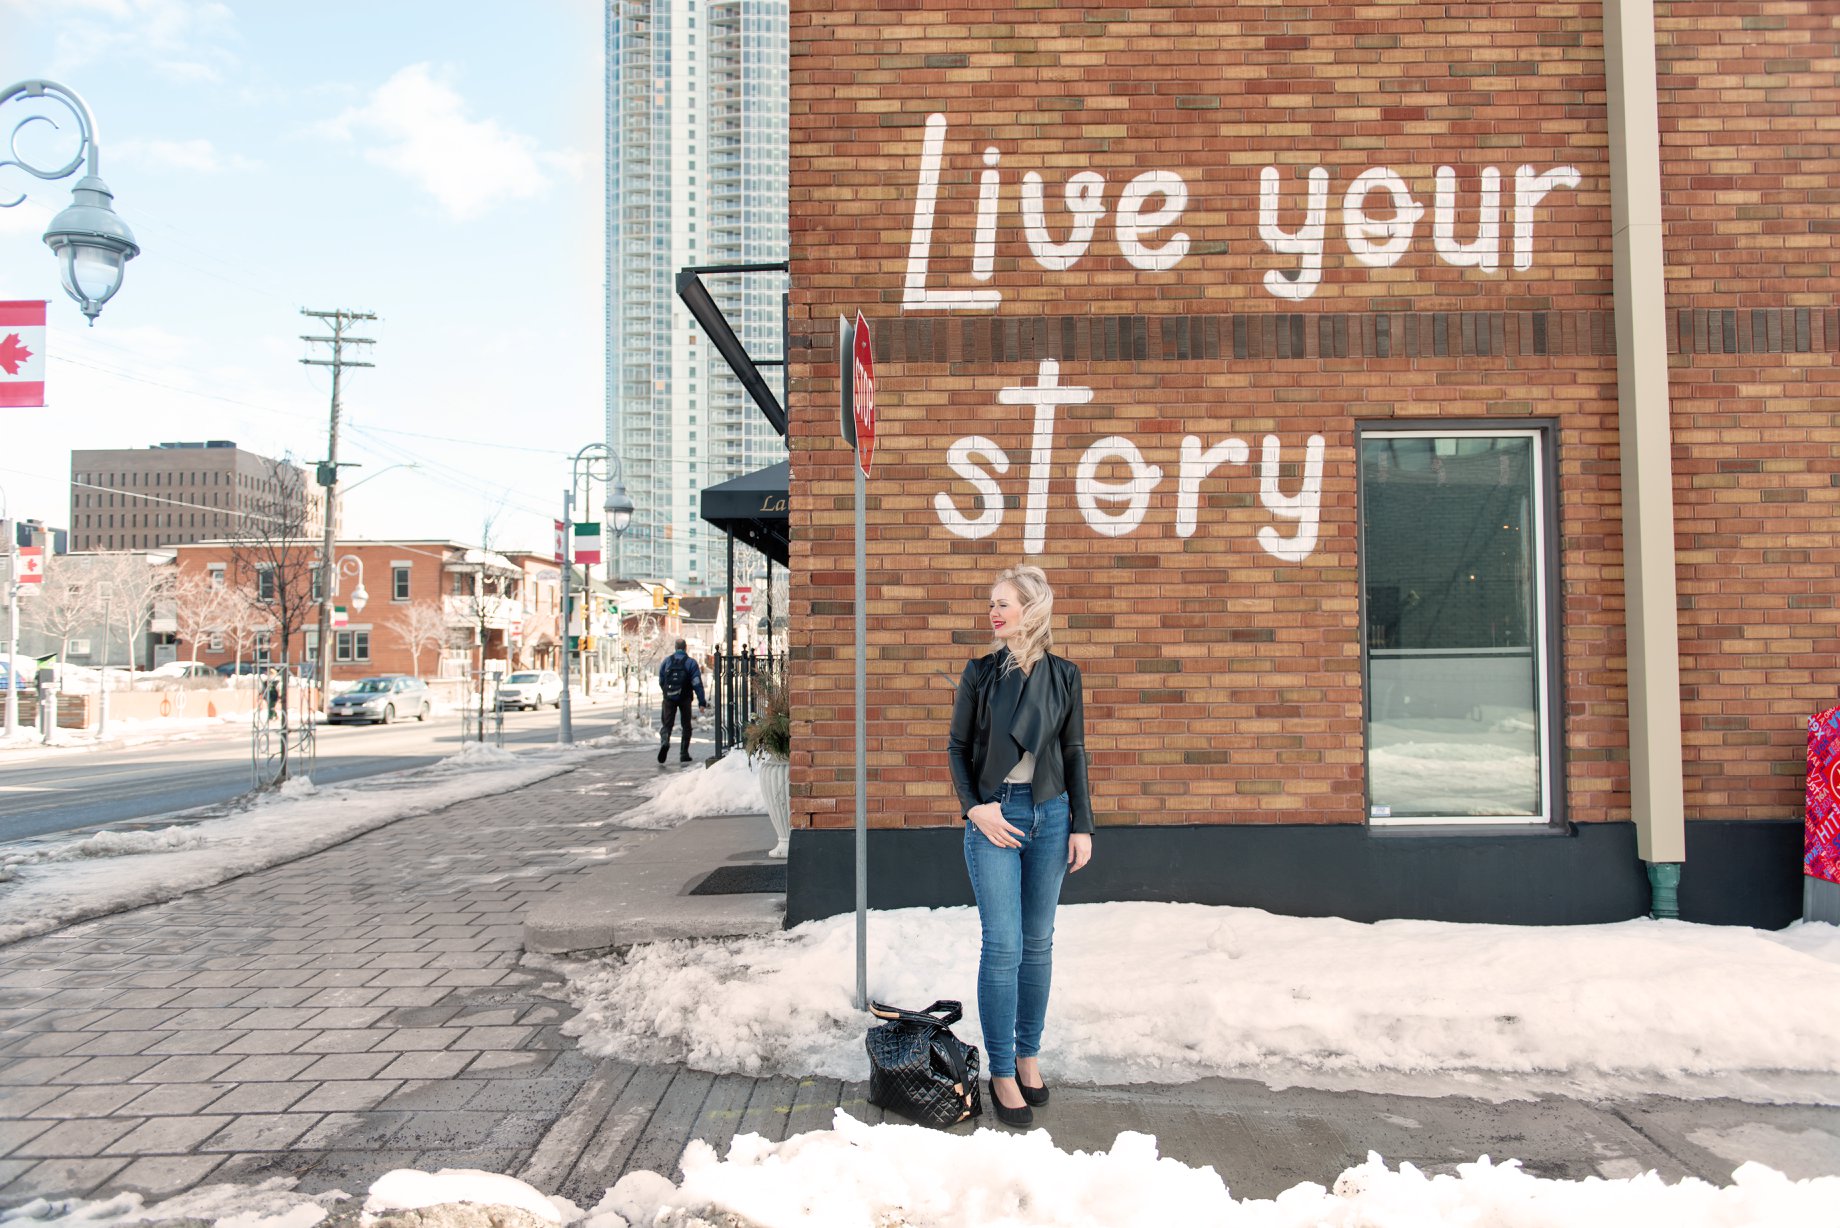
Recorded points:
(678, 678)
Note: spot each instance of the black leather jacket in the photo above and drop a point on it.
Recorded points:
(998, 715)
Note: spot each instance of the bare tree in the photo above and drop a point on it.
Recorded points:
(420, 627)
(65, 603)
(136, 586)
(274, 557)
(485, 606)
(198, 607)
(239, 618)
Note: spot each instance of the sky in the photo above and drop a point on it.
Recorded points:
(437, 163)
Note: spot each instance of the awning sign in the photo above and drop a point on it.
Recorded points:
(22, 354)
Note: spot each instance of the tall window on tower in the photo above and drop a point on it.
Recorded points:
(1458, 646)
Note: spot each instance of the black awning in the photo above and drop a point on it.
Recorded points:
(752, 508)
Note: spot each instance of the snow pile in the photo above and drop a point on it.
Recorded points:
(1166, 993)
(405, 1189)
(109, 844)
(272, 1204)
(731, 785)
(855, 1175)
(478, 754)
(56, 883)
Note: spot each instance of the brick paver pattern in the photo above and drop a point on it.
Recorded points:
(354, 1011)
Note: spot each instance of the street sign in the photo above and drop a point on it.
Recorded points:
(862, 393)
(31, 564)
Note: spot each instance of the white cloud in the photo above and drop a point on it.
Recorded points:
(185, 40)
(196, 154)
(418, 127)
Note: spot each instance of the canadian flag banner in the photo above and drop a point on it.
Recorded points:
(22, 354)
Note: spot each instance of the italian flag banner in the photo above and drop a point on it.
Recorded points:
(22, 354)
(588, 543)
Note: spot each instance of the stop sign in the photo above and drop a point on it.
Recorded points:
(862, 393)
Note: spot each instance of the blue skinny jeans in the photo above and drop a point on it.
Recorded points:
(1017, 890)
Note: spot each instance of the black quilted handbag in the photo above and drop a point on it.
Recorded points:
(918, 1069)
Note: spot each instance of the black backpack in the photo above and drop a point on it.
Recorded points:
(675, 677)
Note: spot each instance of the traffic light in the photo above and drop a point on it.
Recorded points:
(675, 608)
(659, 598)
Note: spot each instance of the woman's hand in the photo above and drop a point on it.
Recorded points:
(989, 819)
(1079, 851)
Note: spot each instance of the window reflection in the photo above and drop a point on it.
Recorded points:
(1450, 534)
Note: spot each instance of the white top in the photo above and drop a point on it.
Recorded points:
(1024, 771)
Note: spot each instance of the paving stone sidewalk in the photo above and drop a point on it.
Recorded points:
(329, 1019)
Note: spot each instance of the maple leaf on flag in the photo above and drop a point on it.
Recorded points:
(13, 353)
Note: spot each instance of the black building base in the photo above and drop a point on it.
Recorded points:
(1737, 873)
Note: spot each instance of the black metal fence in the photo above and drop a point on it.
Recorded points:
(739, 691)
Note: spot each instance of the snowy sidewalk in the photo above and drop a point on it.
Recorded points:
(368, 1008)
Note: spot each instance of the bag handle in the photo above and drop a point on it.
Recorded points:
(953, 1011)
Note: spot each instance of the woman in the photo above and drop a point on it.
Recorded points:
(1018, 758)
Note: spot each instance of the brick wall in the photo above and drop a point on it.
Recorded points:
(1223, 681)
(1751, 177)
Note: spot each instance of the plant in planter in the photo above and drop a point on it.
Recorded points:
(768, 739)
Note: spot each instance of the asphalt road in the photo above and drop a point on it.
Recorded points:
(59, 791)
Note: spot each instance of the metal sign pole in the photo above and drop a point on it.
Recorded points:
(862, 751)
(565, 730)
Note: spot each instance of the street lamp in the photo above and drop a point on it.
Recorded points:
(596, 460)
(345, 565)
(91, 242)
(351, 565)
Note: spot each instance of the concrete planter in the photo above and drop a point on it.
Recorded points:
(776, 786)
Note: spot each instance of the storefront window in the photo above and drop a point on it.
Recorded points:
(1453, 556)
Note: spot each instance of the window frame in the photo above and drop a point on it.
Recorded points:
(1550, 584)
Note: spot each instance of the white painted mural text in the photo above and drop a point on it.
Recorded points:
(1293, 224)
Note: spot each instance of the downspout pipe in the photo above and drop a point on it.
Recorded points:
(1656, 793)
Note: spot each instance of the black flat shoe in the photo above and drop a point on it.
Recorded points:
(1036, 1096)
(1023, 1116)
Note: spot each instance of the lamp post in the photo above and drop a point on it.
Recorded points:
(12, 619)
(617, 511)
(91, 242)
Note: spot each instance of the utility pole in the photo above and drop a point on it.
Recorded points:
(337, 322)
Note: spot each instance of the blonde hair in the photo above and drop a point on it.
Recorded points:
(1033, 635)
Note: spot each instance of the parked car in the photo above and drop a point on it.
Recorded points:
(182, 669)
(231, 669)
(381, 700)
(531, 688)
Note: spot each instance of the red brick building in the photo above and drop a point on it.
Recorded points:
(1439, 487)
(433, 608)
